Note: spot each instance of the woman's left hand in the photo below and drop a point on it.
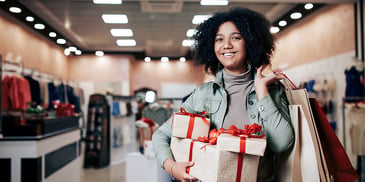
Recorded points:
(261, 82)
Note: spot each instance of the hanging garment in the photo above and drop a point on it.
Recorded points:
(35, 90)
(158, 114)
(355, 116)
(16, 93)
(354, 87)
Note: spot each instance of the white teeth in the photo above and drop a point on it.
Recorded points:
(228, 54)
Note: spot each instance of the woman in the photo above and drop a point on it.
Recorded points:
(235, 45)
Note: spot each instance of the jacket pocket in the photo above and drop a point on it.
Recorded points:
(209, 106)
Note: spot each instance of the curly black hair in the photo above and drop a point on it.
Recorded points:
(254, 28)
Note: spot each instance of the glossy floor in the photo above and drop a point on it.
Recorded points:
(115, 173)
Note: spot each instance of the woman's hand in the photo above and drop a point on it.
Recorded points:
(261, 82)
(178, 170)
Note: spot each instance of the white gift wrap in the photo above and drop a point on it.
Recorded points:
(180, 126)
(213, 165)
(254, 146)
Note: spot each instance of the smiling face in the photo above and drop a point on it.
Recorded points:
(229, 47)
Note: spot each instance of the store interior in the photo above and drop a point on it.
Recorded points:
(82, 125)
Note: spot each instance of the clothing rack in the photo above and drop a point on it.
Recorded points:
(344, 101)
(3, 62)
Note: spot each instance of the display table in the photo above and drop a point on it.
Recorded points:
(52, 157)
(141, 168)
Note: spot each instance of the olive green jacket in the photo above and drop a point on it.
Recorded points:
(271, 113)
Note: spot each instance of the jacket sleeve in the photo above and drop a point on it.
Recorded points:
(162, 136)
(275, 119)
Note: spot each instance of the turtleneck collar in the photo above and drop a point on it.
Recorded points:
(238, 79)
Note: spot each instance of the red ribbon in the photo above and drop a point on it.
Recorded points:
(192, 116)
(190, 154)
(239, 167)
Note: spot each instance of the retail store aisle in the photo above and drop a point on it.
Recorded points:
(115, 173)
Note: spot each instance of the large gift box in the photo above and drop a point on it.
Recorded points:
(214, 165)
(189, 125)
(234, 158)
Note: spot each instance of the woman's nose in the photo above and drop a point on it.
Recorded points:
(227, 44)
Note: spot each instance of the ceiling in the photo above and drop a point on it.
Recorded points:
(159, 26)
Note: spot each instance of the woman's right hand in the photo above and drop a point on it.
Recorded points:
(178, 170)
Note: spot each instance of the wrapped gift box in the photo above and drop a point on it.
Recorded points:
(214, 165)
(146, 128)
(243, 144)
(188, 125)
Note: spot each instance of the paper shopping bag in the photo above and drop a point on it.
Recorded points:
(306, 160)
(338, 163)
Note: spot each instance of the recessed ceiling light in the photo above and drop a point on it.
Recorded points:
(67, 52)
(126, 42)
(197, 19)
(107, 1)
(72, 48)
(29, 18)
(182, 59)
(190, 32)
(115, 18)
(121, 32)
(2, 0)
(15, 10)
(39, 26)
(52, 34)
(282, 23)
(147, 59)
(274, 29)
(78, 52)
(164, 59)
(61, 41)
(308, 6)
(296, 15)
(99, 53)
(187, 43)
(214, 2)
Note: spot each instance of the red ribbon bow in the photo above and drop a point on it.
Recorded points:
(202, 115)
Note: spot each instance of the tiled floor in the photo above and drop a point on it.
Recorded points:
(115, 173)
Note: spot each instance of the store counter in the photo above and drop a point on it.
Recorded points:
(51, 157)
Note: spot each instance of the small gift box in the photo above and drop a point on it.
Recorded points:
(251, 140)
(214, 165)
(146, 128)
(189, 125)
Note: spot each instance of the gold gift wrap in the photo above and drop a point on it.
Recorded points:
(187, 125)
(214, 165)
(252, 144)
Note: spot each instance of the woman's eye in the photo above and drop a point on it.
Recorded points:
(236, 38)
(218, 39)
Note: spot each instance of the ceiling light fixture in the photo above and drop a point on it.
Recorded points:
(39, 26)
(121, 32)
(308, 6)
(15, 10)
(274, 30)
(52, 34)
(164, 59)
(126, 42)
(99, 53)
(190, 32)
(187, 43)
(296, 15)
(182, 59)
(67, 52)
(197, 19)
(115, 18)
(29, 18)
(147, 59)
(78, 52)
(282, 23)
(214, 2)
(107, 1)
(61, 41)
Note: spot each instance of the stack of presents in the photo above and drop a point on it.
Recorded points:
(218, 155)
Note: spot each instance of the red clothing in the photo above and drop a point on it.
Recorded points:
(16, 93)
